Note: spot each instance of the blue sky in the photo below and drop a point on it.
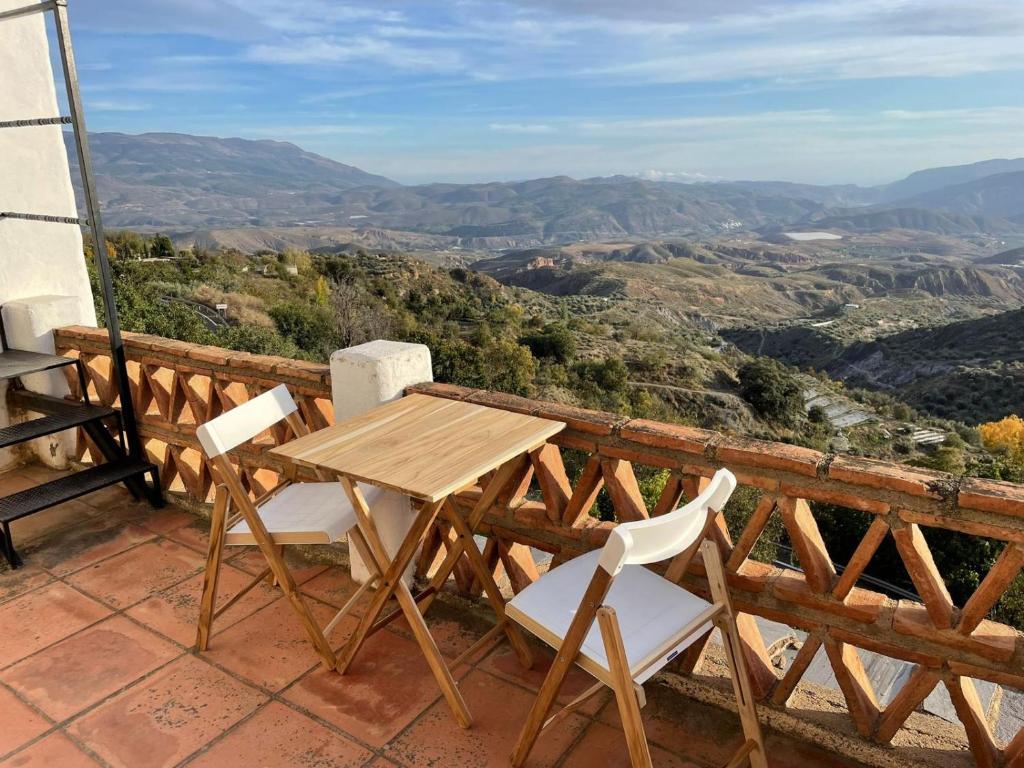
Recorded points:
(822, 91)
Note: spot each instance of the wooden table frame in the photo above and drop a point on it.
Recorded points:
(494, 477)
(414, 608)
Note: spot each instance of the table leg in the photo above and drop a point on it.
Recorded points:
(392, 583)
(483, 573)
(508, 473)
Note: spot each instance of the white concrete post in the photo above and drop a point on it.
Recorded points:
(363, 377)
(28, 324)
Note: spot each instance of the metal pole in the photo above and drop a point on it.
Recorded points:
(67, 59)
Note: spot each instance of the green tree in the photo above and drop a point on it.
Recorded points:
(308, 326)
(771, 390)
(555, 342)
(162, 248)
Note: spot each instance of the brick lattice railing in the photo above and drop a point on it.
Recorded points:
(178, 386)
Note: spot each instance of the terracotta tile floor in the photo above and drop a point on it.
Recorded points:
(96, 668)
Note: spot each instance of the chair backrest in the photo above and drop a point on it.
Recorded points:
(244, 422)
(657, 539)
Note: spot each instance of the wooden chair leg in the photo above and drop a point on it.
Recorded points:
(625, 693)
(278, 568)
(207, 604)
(726, 623)
(564, 658)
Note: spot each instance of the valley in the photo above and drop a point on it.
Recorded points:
(862, 289)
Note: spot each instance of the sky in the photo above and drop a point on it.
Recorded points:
(816, 91)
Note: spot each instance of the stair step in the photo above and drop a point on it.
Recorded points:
(71, 415)
(69, 487)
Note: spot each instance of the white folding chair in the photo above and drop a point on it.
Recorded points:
(290, 513)
(643, 621)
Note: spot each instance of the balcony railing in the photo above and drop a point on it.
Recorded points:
(177, 386)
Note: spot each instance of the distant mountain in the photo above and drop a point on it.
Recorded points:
(922, 182)
(936, 221)
(177, 180)
(998, 195)
(180, 183)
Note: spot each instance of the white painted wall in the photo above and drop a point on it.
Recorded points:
(37, 259)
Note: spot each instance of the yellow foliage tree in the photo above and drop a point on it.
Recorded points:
(322, 290)
(1004, 436)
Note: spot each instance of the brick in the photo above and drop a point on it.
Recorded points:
(860, 605)
(839, 498)
(990, 640)
(440, 389)
(671, 436)
(885, 649)
(753, 576)
(759, 453)
(636, 455)
(580, 419)
(992, 496)
(576, 441)
(302, 369)
(212, 355)
(889, 476)
(754, 478)
(504, 401)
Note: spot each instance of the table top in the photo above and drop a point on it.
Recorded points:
(425, 447)
(18, 362)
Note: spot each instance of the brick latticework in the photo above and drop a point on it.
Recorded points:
(177, 386)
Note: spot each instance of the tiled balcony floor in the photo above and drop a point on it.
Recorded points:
(96, 668)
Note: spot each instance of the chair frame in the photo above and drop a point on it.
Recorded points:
(619, 677)
(232, 503)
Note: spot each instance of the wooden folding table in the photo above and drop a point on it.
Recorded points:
(427, 448)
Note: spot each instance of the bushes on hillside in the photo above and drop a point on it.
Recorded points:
(771, 391)
(554, 341)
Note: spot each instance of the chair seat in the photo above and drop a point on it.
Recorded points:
(652, 612)
(304, 513)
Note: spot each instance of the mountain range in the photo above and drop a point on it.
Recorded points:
(178, 183)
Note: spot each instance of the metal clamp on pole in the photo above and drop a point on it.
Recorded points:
(44, 217)
(35, 121)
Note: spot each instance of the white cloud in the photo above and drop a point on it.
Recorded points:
(317, 129)
(364, 49)
(534, 128)
(976, 115)
(846, 59)
(111, 105)
(705, 122)
(680, 176)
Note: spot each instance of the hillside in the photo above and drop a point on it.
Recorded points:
(971, 370)
(914, 218)
(1000, 195)
(174, 180)
(1012, 256)
(931, 179)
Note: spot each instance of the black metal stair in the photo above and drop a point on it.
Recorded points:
(66, 418)
(58, 415)
(41, 497)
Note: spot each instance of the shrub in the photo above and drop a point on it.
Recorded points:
(771, 390)
(555, 341)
